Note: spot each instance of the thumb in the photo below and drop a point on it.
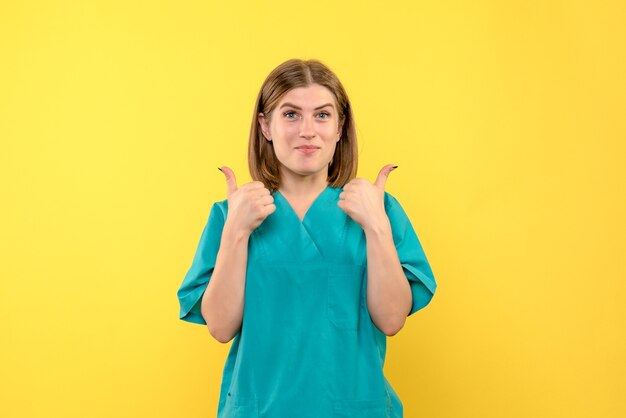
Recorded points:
(383, 174)
(231, 181)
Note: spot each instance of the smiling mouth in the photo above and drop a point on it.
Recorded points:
(307, 150)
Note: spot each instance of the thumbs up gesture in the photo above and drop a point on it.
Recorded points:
(364, 202)
(248, 205)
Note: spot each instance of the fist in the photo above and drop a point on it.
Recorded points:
(248, 205)
(363, 201)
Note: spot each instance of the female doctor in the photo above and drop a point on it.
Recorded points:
(307, 269)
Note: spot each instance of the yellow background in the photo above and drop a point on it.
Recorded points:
(507, 122)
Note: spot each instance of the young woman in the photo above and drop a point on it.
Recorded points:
(307, 268)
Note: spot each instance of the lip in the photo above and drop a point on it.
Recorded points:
(307, 147)
(307, 150)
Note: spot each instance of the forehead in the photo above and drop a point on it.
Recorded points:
(308, 97)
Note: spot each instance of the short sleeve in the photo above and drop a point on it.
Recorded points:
(197, 278)
(411, 255)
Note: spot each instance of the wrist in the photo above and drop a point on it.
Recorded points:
(378, 226)
(234, 233)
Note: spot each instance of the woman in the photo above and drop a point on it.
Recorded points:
(307, 267)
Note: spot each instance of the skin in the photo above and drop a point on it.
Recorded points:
(302, 178)
(389, 297)
(223, 300)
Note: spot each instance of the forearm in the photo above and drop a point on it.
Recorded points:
(389, 297)
(223, 300)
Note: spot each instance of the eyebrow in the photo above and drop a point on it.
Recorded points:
(299, 108)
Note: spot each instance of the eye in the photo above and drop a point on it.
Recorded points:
(288, 113)
(325, 113)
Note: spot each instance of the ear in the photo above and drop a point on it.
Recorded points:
(339, 133)
(264, 126)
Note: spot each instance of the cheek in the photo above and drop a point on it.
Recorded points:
(285, 128)
(282, 148)
(331, 141)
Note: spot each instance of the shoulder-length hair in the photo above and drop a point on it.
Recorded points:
(262, 161)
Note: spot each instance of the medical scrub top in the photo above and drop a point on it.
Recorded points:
(307, 346)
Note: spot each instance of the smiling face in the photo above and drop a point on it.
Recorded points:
(304, 130)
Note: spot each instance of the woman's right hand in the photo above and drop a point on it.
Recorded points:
(248, 205)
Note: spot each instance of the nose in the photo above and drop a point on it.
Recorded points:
(306, 128)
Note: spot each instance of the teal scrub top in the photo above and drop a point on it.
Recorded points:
(307, 346)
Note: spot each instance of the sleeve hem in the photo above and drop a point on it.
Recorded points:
(430, 284)
(193, 318)
(191, 311)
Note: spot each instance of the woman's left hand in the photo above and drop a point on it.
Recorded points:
(364, 202)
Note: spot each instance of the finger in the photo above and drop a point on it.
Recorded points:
(255, 186)
(231, 181)
(270, 209)
(267, 199)
(383, 174)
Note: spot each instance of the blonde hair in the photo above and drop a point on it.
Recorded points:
(262, 161)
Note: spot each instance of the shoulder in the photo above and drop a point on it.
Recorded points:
(221, 205)
(391, 203)
(220, 209)
(395, 212)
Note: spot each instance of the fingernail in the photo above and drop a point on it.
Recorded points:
(395, 166)
(219, 169)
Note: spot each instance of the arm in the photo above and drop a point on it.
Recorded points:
(400, 281)
(389, 297)
(223, 300)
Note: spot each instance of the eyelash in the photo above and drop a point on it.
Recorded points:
(325, 113)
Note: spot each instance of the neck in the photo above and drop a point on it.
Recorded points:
(303, 186)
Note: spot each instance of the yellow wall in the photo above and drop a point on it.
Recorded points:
(507, 121)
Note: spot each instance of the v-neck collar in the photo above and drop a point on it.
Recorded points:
(311, 206)
(313, 239)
